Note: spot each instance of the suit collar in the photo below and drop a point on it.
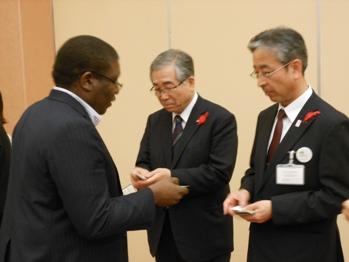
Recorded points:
(186, 112)
(297, 130)
(164, 135)
(293, 109)
(292, 136)
(190, 129)
(94, 116)
(266, 124)
(75, 105)
(69, 100)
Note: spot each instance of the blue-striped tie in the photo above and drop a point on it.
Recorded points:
(178, 130)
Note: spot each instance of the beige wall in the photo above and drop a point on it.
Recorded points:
(215, 33)
(334, 55)
(26, 54)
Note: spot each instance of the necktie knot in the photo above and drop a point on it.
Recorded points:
(178, 119)
(281, 114)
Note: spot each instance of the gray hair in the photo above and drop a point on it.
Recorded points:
(182, 62)
(287, 43)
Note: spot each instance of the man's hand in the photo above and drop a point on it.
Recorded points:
(262, 212)
(240, 198)
(345, 209)
(139, 176)
(167, 192)
(158, 174)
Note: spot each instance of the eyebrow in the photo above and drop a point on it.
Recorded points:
(163, 83)
(262, 67)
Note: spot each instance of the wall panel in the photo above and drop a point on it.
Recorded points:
(215, 33)
(334, 56)
(26, 54)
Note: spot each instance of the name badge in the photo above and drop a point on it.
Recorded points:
(289, 174)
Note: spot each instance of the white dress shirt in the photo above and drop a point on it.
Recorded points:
(186, 112)
(292, 111)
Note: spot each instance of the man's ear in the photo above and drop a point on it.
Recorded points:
(191, 81)
(86, 81)
(297, 66)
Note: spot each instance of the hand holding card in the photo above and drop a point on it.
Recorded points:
(140, 176)
(242, 211)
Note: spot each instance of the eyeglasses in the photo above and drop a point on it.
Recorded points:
(166, 90)
(257, 75)
(115, 82)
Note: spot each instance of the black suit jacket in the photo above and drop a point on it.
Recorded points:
(203, 158)
(64, 200)
(303, 225)
(5, 156)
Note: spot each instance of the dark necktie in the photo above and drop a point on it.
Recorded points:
(277, 135)
(178, 130)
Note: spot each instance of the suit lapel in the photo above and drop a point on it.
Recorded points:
(292, 136)
(165, 137)
(188, 132)
(112, 178)
(266, 125)
(67, 99)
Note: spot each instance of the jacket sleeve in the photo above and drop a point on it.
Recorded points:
(247, 181)
(143, 158)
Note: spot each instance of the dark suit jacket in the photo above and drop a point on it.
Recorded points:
(64, 200)
(5, 155)
(203, 158)
(303, 226)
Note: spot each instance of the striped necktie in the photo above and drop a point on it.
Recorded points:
(178, 130)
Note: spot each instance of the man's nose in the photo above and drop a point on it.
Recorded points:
(163, 95)
(261, 81)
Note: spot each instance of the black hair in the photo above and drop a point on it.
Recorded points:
(81, 54)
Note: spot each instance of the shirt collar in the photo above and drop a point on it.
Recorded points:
(186, 112)
(293, 109)
(94, 116)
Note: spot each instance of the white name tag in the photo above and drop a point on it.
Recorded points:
(290, 174)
